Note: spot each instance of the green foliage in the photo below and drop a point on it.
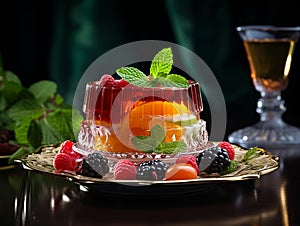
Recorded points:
(37, 114)
(160, 68)
(156, 142)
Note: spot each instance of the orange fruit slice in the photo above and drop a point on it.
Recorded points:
(143, 117)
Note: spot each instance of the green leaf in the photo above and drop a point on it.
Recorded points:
(143, 143)
(20, 153)
(161, 64)
(34, 134)
(253, 153)
(21, 131)
(171, 147)
(155, 142)
(10, 90)
(26, 108)
(57, 126)
(158, 134)
(134, 76)
(43, 90)
(177, 80)
(11, 77)
(231, 168)
(58, 99)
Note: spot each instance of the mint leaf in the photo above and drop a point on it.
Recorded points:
(21, 131)
(143, 143)
(231, 168)
(252, 153)
(11, 77)
(155, 142)
(25, 108)
(149, 143)
(43, 90)
(161, 64)
(20, 153)
(171, 147)
(177, 80)
(134, 76)
(57, 126)
(34, 134)
(158, 134)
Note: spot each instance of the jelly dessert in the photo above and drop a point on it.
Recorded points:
(158, 114)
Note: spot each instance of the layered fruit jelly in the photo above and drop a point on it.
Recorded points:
(117, 111)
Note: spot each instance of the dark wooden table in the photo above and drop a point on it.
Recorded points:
(32, 198)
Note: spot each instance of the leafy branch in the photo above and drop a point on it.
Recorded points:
(37, 115)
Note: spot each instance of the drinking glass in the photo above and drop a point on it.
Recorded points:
(269, 51)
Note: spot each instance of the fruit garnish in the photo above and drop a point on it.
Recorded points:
(213, 160)
(156, 143)
(231, 168)
(253, 153)
(63, 162)
(160, 69)
(95, 165)
(181, 171)
(188, 159)
(152, 170)
(228, 147)
(125, 170)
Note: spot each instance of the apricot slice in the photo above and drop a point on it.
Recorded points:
(143, 117)
(181, 171)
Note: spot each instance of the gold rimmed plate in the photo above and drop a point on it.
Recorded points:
(42, 162)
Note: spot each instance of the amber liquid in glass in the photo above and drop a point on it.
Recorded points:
(270, 62)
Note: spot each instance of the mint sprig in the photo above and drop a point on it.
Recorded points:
(155, 142)
(37, 115)
(161, 64)
(160, 69)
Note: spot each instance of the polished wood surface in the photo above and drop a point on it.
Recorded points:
(32, 198)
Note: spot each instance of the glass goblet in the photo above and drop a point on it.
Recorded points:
(269, 51)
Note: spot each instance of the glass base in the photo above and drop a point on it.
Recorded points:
(265, 134)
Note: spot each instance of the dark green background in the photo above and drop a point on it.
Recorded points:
(58, 40)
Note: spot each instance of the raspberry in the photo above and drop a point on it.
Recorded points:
(95, 165)
(152, 170)
(125, 170)
(122, 83)
(67, 148)
(188, 159)
(107, 80)
(62, 161)
(228, 147)
(213, 160)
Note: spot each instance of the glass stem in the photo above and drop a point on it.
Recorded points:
(271, 107)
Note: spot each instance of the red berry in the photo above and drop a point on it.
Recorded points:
(76, 158)
(62, 161)
(125, 170)
(229, 148)
(122, 83)
(188, 159)
(107, 80)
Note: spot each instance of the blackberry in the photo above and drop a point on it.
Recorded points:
(213, 160)
(152, 170)
(95, 165)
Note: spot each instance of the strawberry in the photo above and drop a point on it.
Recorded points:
(62, 161)
(188, 159)
(229, 148)
(125, 170)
